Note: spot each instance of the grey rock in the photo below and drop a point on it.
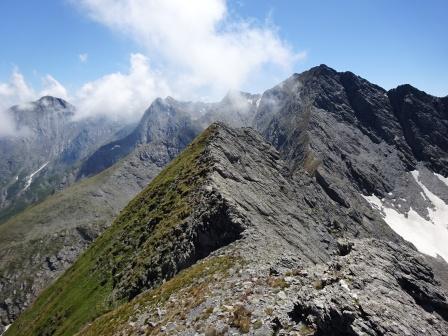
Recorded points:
(381, 289)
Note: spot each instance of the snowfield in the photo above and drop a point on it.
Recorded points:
(428, 236)
(30, 178)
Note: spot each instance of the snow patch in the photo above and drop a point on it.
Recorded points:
(6, 328)
(428, 236)
(30, 178)
(344, 285)
(257, 103)
(443, 179)
(438, 214)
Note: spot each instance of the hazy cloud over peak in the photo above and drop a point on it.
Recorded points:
(51, 87)
(18, 92)
(191, 50)
(197, 44)
(122, 95)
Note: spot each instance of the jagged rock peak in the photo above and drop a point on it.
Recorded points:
(407, 89)
(321, 69)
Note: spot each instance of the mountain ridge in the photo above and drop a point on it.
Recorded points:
(337, 144)
(193, 210)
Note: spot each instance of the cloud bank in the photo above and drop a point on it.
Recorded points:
(191, 50)
(199, 46)
(119, 95)
(18, 91)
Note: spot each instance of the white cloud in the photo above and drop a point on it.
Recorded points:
(122, 95)
(197, 43)
(18, 91)
(118, 95)
(83, 57)
(51, 87)
(13, 92)
(198, 50)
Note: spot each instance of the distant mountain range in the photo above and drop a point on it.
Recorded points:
(47, 152)
(307, 222)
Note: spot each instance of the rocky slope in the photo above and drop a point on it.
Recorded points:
(360, 140)
(47, 150)
(270, 258)
(41, 242)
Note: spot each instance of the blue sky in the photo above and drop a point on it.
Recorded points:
(387, 42)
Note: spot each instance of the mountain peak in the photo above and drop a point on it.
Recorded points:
(405, 89)
(321, 70)
(50, 101)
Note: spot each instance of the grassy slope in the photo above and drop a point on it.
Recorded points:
(83, 292)
(192, 281)
(57, 205)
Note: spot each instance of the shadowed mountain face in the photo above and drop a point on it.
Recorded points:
(356, 137)
(297, 228)
(47, 151)
(364, 143)
(163, 123)
(424, 120)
